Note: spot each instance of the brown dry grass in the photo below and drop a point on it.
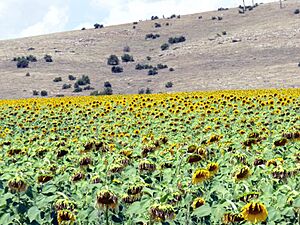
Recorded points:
(267, 56)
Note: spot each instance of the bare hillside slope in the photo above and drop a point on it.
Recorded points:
(266, 54)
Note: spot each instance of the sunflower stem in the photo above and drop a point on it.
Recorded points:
(106, 215)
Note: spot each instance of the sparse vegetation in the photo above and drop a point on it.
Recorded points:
(35, 92)
(169, 85)
(175, 40)
(152, 36)
(22, 63)
(157, 25)
(117, 69)
(84, 80)
(171, 69)
(113, 60)
(57, 79)
(127, 58)
(154, 17)
(66, 86)
(71, 77)
(152, 72)
(164, 46)
(44, 93)
(143, 66)
(87, 88)
(297, 11)
(77, 89)
(98, 26)
(27, 74)
(126, 49)
(107, 84)
(148, 58)
(48, 58)
(161, 66)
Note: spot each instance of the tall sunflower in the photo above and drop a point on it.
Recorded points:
(254, 212)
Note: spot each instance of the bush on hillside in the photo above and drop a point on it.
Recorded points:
(22, 63)
(44, 93)
(127, 58)
(57, 79)
(48, 58)
(113, 60)
(116, 69)
(164, 46)
(175, 40)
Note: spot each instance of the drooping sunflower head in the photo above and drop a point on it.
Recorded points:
(213, 168)
(17, 185)
(254, 212)
(198, 202)
(162, 212)
(106, 198)
(135, 189)
(43, 178)
(61, 204)
(242, 173)
(129, 199)
(200, 175)
(146, 165)
(65, 216)
(229, 218)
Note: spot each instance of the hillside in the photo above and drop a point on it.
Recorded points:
(266, 54)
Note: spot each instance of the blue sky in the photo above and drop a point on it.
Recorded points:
(22, 18)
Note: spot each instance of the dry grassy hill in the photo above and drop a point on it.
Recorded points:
(267, 55)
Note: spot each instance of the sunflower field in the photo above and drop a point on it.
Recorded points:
(223, 157)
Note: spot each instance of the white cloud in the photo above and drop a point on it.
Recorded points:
(55, 20)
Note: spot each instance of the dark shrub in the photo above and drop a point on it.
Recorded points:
(127, 58)
(148, 58)
(117, 69)
(126, 49)
(167, 24)
(76, 85)
(173, 16)
(152, 36)
(59, 95)
(297, 11)
(152, 72)
(44, 93)
(224, 32)
(299, 64)
(154, 18)
(35, 92)
(157, 25)
(220, 18)
(107, 91)
(178, 17)
(31, 58)
(66, 86)
(175, 40)
(78, 89)
(83, 28)
(133, 27)
(143, 66)
(71, 77)
(30, 49)
(169, 84)
(22, 63)
(171, 69)
(200, 17)
(98, 26)
(135, 23)
(164, 46)
(48, 58)
(107, 84)
(113, 60)
(87, 88)
(148, 91)
(57, 79)
(141, 91)
(161, 66)
(213, 18)
(84, 80)
(27, 74)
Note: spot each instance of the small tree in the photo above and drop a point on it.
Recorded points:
(127, 58)
(48, 58)
(113, 60)
(22, 63)
(107, 84)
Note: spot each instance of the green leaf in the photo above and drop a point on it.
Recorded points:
(5, 218)
(202, 211)
(33, 213)
(296, 203)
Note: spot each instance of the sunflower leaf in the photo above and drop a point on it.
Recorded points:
(202, 211)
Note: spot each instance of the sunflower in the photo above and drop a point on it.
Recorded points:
(229, 218)
(254, 212)
(198, 202)
(242, 173)
(213, 168)
(65, 216)
(107, 199)
(200, 175)
(162, 212)
(17, 185)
